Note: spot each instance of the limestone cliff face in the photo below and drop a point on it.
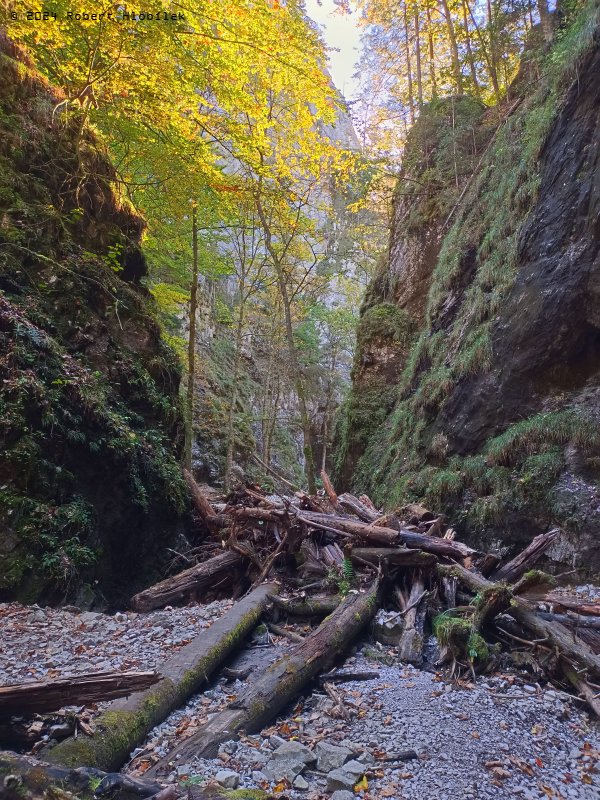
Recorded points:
(90, 490)
(495, 413)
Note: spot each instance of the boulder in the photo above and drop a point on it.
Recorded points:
(228, 778)
(288, 761)
(345, 777)
(331, 756)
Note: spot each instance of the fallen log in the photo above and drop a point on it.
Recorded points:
(278, 630)
(343, 676)
(26, 778)
(125, 723)
(39, 697)
(281, 681)
(563, 639)
(394, 556)
(579, 606)
(40, 779)
(194, 579)
(318, 605)
(388, 536)
(571, 620)
(203, 507)
(521, 563)
(580, 684)
(354, 506)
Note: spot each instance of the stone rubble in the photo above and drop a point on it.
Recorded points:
(498, 738)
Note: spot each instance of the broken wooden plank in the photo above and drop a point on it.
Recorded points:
(125, 723)
(281, 681)
(40, 697)
(195, 579)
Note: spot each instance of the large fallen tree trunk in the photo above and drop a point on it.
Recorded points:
(125, 723)
(39, 697)
(203, 576)
(388, 536)
(520, 564)
(564, 640)
(281, 681)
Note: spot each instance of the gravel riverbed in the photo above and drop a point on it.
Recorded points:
(39, 643)
(501, 737)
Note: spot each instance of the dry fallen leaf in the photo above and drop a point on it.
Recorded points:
(475, 735)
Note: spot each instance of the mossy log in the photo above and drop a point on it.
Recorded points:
(521, 563)
(192, 580)
(26, 778)
(564, 640)
(23, 777)
(281, 681)
(39, 697)
(126, 722)
(317, 606)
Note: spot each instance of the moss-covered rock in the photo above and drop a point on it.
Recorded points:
(90, 425)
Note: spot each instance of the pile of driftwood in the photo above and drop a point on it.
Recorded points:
(337, 564)
(323, 548)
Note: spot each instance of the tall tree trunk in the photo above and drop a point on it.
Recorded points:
(546, 19)
(453, 47)
(432, 75)
(234, 391)
(493, 50)
(191, 376)
(309, 462)
(486, 52)
(418, 56)
(470, 56)
(409, 76)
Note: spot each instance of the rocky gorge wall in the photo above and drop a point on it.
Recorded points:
(476, 386)
(90, 425)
